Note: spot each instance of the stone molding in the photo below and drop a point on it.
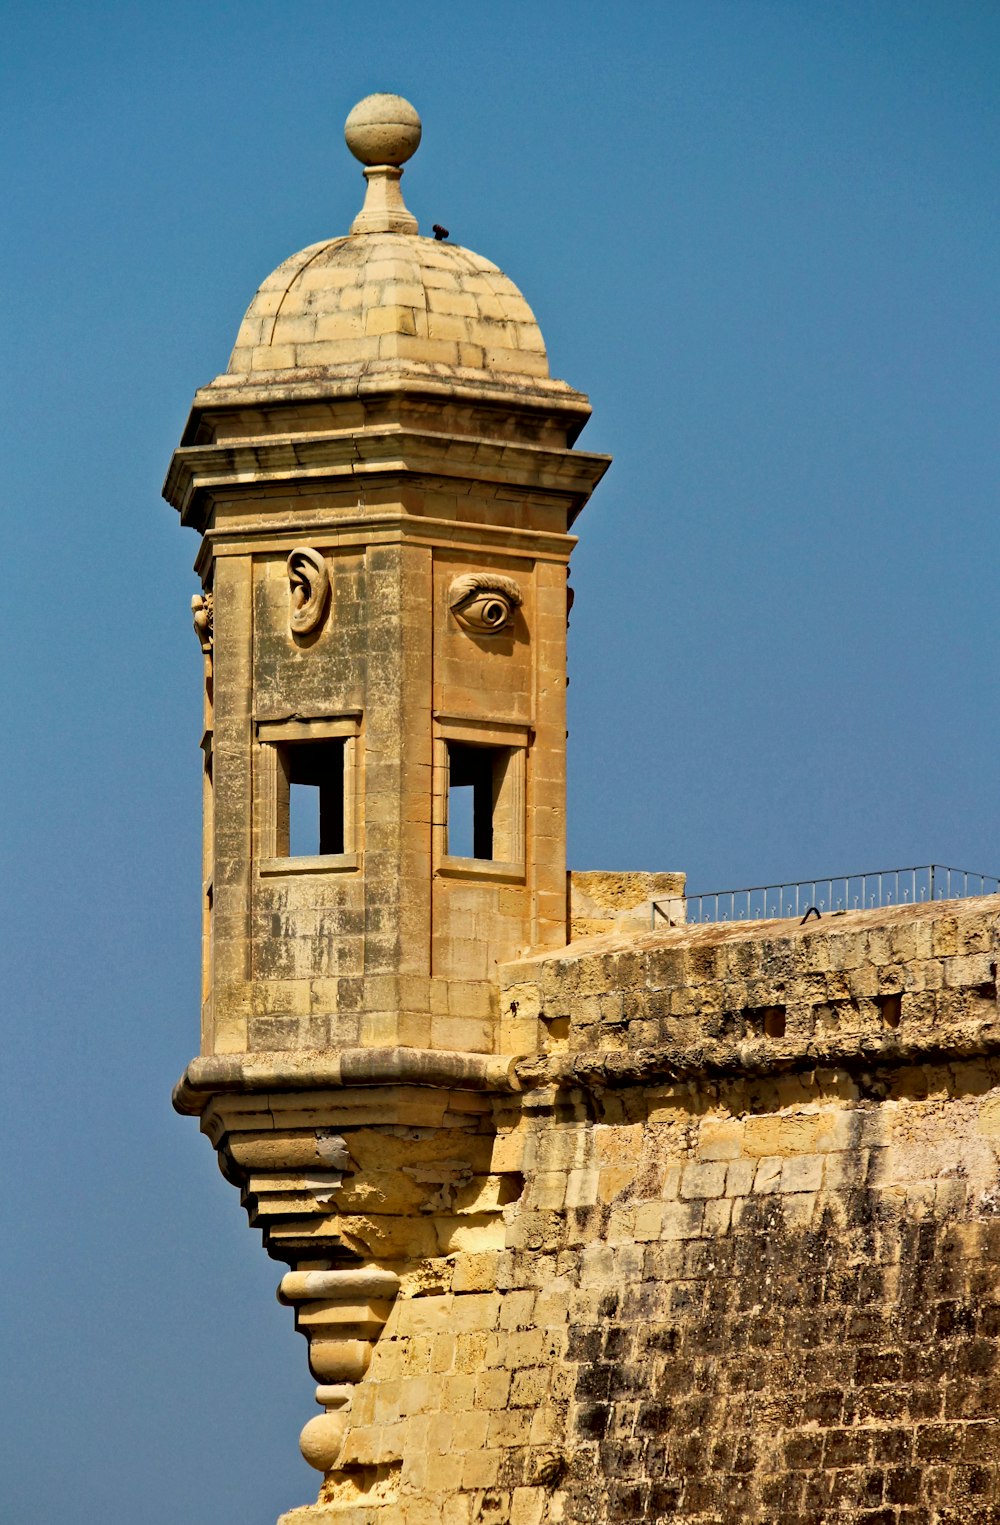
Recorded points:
(252, 1073)
(245, 465)
(360, 529)
(378, 377)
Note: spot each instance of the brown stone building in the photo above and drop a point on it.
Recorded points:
(582, 1220)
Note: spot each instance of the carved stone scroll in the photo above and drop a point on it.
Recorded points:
(309, 582)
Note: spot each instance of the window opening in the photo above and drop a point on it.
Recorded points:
(470, 799)
(314, 773)
(485, 802)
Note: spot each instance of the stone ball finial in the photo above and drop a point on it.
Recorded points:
(383, 129)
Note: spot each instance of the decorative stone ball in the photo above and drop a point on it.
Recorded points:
(322, 1438)
(383, 129)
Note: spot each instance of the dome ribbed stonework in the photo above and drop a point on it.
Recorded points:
(388, 297)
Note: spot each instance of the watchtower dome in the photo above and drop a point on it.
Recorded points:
(384, 300)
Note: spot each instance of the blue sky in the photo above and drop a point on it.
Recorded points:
(762, 235)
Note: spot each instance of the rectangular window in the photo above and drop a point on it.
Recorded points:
(306, 794)
(471, 792)
(310, 814)
(485, 817)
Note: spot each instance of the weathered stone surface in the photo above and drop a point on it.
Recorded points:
(600, 901)
(735, 1296)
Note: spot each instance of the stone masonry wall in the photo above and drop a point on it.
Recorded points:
(751, 1268)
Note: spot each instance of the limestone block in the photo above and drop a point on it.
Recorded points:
(781, 1135)
(703, 1180)
(802, 1173)
(602, 902)
(720, 1139)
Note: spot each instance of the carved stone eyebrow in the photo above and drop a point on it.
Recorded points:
(483, 582)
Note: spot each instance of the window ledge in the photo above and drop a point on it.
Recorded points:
(326, 863)
(481, 868)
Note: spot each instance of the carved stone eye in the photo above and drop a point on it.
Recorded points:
(488, 612)
(484, 602)
(309, 584)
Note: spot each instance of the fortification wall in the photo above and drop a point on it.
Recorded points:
(745, 1274)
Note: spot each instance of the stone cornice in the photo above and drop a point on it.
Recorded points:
(377, 379)
(198, 471)
(859, 1055)
(251, 1074)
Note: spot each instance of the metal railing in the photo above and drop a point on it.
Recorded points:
(844, 892)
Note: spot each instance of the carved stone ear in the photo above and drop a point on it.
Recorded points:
(309, 582)
(484, 603)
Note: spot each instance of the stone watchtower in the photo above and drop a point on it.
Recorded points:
(384, 483)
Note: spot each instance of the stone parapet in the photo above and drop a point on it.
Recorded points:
(904, 982)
